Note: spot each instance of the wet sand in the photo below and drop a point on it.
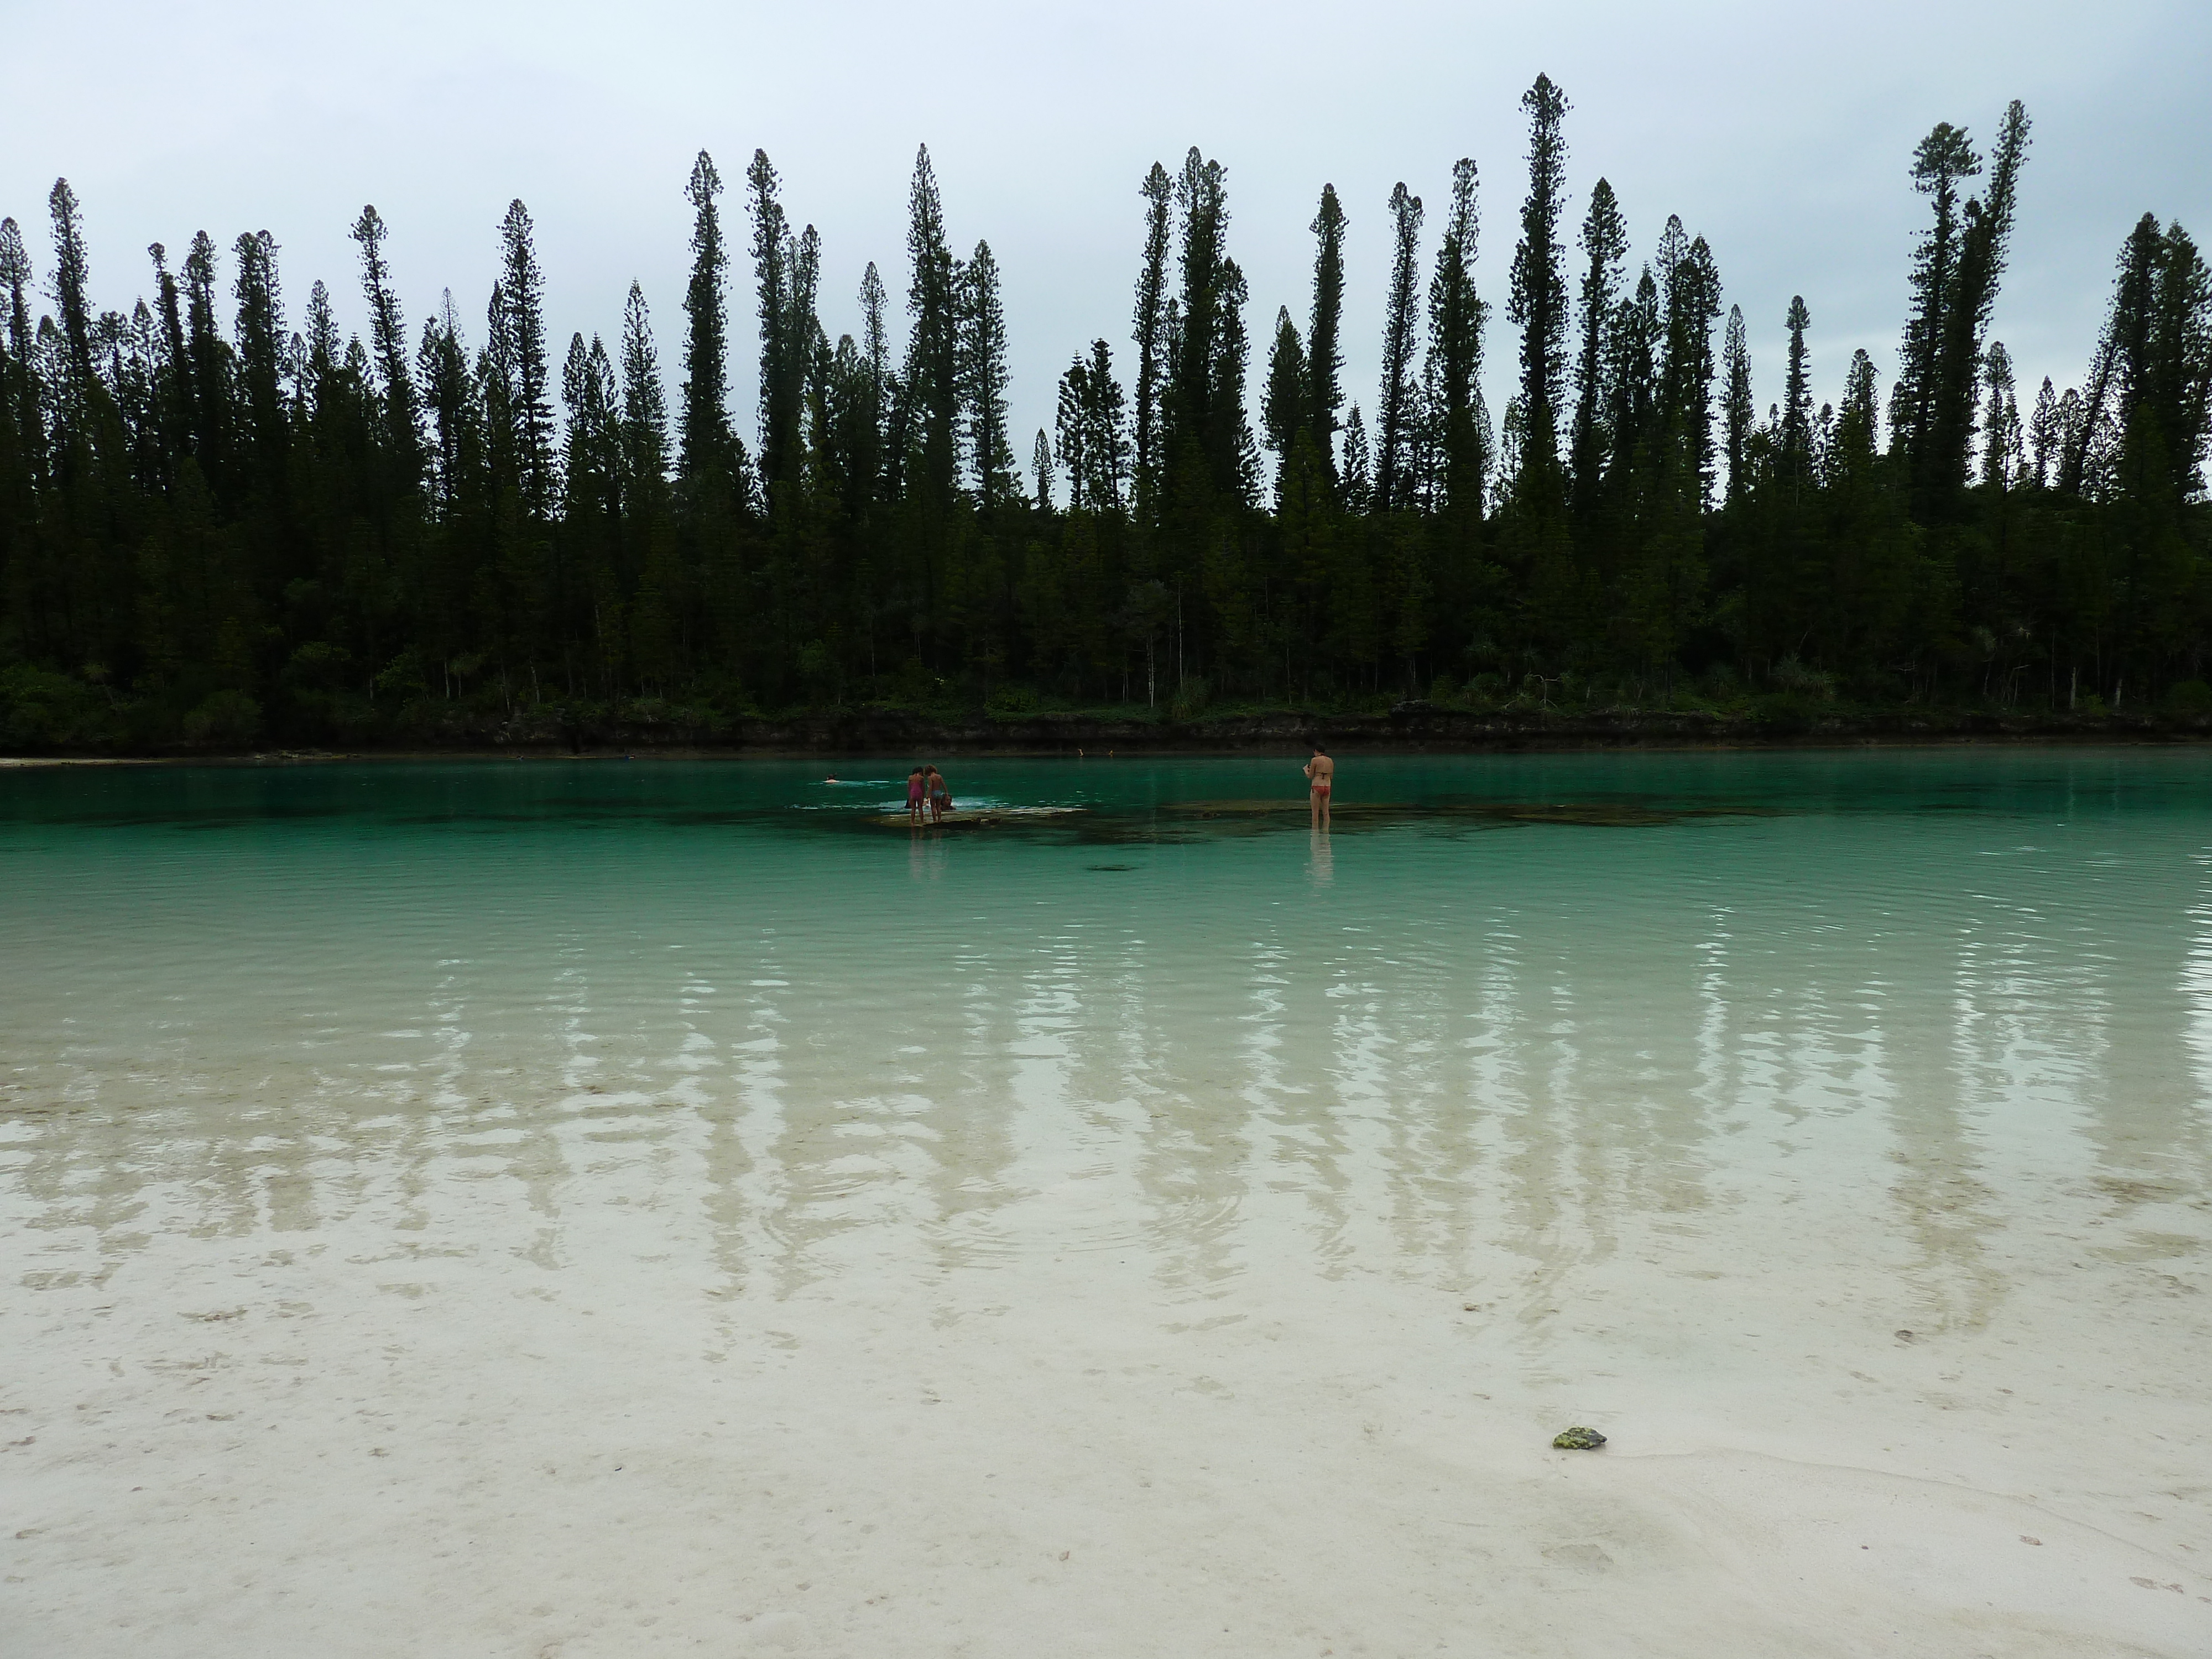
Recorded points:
(453, 1420)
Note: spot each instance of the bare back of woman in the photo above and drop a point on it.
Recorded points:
(1320, 775)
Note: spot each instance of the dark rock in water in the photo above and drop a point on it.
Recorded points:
(1578, 1439)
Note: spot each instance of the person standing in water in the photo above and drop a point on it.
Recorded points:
(915, 790)
(1320, 777)
(940, 796)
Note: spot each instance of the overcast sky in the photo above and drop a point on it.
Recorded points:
(1780, 133)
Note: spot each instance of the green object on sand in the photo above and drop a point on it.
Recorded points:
(1578, 1439)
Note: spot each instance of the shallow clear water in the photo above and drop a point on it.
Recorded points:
(1689, 1079)
(1994, 965)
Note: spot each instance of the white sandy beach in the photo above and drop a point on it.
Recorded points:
(456, 1422)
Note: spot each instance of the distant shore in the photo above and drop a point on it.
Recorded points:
(1408, 728)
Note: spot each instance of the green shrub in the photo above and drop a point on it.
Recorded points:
(41, 709)
(2190, 697)
(717, 698)
(224, 719)
(817, 672)
(1798, 680)
(403, 676)
(1189, 701)
(318, 666)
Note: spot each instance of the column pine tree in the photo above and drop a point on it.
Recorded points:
(703, 432)
(1324, 354)
(1394, 431)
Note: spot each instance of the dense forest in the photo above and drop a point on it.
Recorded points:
(220, 528)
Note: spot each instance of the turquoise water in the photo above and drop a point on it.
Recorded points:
(566, 1206)
(1989, 967)
(2002, 958)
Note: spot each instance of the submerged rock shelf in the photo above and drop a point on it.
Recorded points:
(986, 817)
(1605, 814)
(1199, 819)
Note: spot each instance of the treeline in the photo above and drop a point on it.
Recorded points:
(216, 526)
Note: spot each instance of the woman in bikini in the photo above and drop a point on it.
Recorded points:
(914, 793)
(1321, 770)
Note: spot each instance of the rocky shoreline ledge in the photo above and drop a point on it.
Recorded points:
(1406, 727)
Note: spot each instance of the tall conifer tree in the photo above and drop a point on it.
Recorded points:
(1694, 304)
(657, 607)
(522, 289)
(1943, 453)
(1324, 353)
(1633, 337)
(209, 360)
(931, 384)
(22, 443)
(1358, 467)
(449, 391)
(1540, 288)
(15, 274)
(703, 424)
(1237, 456)
(2042, 434)
(176, 414)
(260, 334)
(1559, 592)
(1150, 334)
(644, 402)
(2178, 377)
(984, 379)
(784, 353)
(1738, 411)
(1283, 401)
(1955, 276)
(1605, 244)
(1072, 437)
(1394, 421)
(869, 455)
(71, 281)
(1941, 163)
(497, 373)
(2002, 450)
(1454, 366)
(387, 334)
(1797, 432)
(1093, 439)
(1041, 469)
(1205, 437)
